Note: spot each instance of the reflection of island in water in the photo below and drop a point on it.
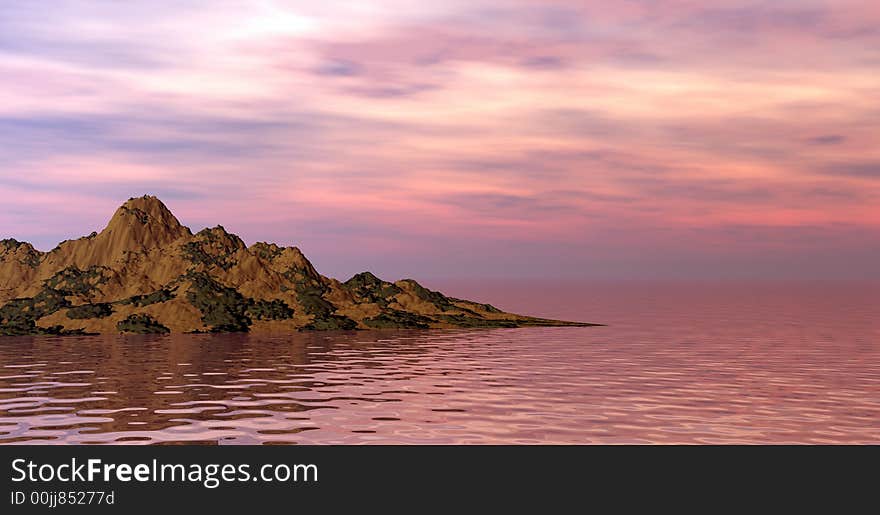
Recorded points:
(678, 363)
(147, 273)
(184, 388)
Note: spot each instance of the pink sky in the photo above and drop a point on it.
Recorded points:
(668, 138)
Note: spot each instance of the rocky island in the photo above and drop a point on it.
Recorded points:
(147, 273)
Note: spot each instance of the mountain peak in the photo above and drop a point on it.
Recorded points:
(147, 210)
(140, 223)
(148, 199)
(363, 278)
(23, 251)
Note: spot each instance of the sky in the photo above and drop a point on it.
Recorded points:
(482, 138)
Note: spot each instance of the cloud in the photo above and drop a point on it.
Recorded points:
(339, 69)
(860, 169)
(544, 62)
(603, 138)
(759, 18)
(171, 137)
(828, 139)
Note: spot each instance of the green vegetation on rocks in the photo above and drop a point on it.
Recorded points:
(309, 292)
(310, 295)
(369, 288)
(99, 310)
(19, 316)
(269, 310)
(331, 323)
(223, 308)
(9, 244)
(141, 324)
(73, 281)
(267, 251)
(213, 247)
(196, 253)
(30, 256)
(395, 319)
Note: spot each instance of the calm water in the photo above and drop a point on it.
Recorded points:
(679, 363)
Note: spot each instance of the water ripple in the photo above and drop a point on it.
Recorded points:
(784, 373)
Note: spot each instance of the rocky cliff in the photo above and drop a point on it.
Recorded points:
(147, 273)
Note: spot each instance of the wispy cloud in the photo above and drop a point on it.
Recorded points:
(597, 138)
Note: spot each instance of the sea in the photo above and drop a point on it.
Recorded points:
(677, 362)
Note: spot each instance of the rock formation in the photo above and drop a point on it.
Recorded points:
(147, 273)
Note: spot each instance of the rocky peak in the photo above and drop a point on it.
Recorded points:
(146, 211)
(267, 251)
(213, 247)
(19, 251)
(141, 223)
(369, 288)
(11, 246)
(218, 237)
(364, 279)
(288, 260)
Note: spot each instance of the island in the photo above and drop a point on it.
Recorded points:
(147, 273)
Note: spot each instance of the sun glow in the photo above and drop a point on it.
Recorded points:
(270, 20)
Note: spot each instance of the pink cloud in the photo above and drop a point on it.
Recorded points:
(552, 131)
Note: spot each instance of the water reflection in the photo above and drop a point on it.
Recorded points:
(688, 376)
